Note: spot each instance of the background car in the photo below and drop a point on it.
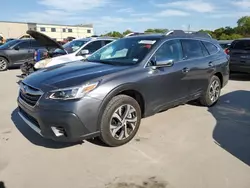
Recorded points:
(240, 56)
(16, 52)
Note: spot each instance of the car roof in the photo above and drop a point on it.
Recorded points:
(170, 36)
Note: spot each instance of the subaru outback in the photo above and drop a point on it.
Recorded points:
(107, 94)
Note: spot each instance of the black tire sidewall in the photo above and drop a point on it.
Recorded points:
(208, 100)
(115, 103)
(2, 58)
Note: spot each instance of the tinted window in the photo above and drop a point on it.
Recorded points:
(192, 49)
(64, 30)
(70, 30)
(24, 45)
(241, 45)
(53, 29)
(212, 49)
(107, 42)
(42, 29)
(170, 50)
(204, 50)
(35, 44)
(88, 31)
(93, 46)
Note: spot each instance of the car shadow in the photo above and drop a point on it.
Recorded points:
(36, 139)
(239, 77)
(232, 130)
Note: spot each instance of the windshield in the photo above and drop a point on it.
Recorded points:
(127, 51)
(72, 46)
(9, 44)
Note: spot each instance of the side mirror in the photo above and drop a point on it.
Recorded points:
(162, 63)
(16, 48)
(84, 52)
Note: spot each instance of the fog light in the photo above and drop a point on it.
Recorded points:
(58, 131)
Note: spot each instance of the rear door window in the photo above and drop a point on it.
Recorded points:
(204, 50)
(35, 44)
(212, 49)
(192, 49)
(24, 45)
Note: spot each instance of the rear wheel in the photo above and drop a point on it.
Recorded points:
(3, 64)
(120, 121)
(212, 94)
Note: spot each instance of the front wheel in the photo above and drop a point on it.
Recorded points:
(3, 64)
(120, 121)
(212, 94)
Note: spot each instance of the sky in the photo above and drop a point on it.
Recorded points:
(135, 15)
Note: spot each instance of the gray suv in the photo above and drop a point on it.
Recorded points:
(134, 77)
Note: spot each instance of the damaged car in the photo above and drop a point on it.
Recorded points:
(75, 50)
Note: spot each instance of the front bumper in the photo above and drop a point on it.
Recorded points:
(60, 121)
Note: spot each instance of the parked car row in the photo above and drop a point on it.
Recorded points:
(106, 94)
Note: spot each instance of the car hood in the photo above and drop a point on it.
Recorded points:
(44, 40)
(56, 60)
(70, 74)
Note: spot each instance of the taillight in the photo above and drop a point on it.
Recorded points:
(227, 51)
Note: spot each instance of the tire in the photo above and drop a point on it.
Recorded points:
(3, 64)
(112, 129)
(207, 99)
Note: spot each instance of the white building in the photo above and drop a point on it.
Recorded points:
(55, 31)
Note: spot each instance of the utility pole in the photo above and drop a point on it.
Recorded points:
(188, 27)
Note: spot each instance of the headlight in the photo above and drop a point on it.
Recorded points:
(73, 93)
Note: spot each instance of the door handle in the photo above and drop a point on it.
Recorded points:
(210, 64)
(185, 70)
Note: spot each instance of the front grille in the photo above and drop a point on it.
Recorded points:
(29, 117)
(29, 94)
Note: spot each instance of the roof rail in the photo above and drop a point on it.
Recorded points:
(133, 34)
(188, 33)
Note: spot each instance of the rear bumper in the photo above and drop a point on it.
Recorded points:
(241, 68)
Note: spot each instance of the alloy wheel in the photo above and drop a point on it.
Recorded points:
(123, 122)
(3, 64)
(214, 91)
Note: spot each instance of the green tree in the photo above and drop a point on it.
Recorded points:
(114, 34)
(127, 32)
(244, 25)
(156, 30)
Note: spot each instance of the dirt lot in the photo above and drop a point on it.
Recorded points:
(185, 147)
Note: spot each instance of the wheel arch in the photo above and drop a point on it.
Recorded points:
(126, 89)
